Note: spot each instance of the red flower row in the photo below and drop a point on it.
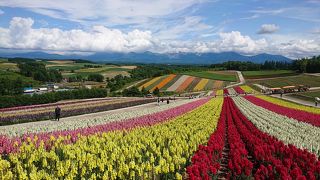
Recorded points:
(299, 115)
(225, 92)
(271, 159)
(239, 90)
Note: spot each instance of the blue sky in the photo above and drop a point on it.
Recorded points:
(286, 27)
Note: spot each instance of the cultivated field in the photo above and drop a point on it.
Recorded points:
(313, 81)
(309, 96)
(214, 75)
(267, 74)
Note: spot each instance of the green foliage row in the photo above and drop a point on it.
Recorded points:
(51, 97)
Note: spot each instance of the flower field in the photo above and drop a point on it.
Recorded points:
(46, 111)
(181, 83)
(243, 137)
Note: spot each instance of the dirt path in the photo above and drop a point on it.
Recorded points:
(241, 79)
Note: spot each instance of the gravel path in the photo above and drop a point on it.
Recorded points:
(86, 120)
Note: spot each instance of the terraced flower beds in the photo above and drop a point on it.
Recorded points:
(181, 83)
(46, 111)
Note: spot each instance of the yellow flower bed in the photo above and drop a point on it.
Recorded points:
(200, 86)
(145, 85)
(219, 92)
(159, 151)
(290, 104)
(248, 89)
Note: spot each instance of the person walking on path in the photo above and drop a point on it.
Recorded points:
(316, 101)
(57, 113)
(158, 101)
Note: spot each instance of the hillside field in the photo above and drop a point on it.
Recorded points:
(182, 83)
(267, 74)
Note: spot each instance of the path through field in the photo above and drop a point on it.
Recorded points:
(241, 79)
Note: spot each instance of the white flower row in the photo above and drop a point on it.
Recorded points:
(231, 91)
(83, 121)
(288, 130)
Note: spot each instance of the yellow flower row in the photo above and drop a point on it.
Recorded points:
(290, 104)
(159, 151)
(219, 92)
(247, 89)
(200, 86)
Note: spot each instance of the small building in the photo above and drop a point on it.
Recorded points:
(28, 90)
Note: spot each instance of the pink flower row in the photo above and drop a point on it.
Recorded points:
(7, 144)
(299, 115)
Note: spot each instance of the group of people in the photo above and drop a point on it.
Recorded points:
(167, 99)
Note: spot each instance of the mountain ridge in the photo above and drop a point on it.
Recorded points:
(157, 58)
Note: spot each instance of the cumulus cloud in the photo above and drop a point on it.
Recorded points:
(268, 29)
(21, 35)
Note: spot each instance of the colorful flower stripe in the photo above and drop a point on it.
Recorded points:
(200, 86)
(239, 90)
(147, 84)
(206, 160)
(156, 152)
(15, 109)
(289, 131)
(154, 84)
(299, 115)
(271, 159)
(219, 92)
(217, 84)
(64, 107)
(72, 112)
(209, 85)
(247, 89)
(178, 83)
(185, 84)
(8, 145)
(225, 92)
(290, 104)
(164, 88)
(164, 82)
(18, 130)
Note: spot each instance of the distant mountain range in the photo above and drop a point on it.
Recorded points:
(150, 57)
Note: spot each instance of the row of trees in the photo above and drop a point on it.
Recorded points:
(308, 65)
(11, 87)
(250, 66)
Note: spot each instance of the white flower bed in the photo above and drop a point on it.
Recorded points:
(288, 130)
(231, 91)
(71, 123)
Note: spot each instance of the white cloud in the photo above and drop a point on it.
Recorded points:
(108, 11)
(268, 29)
(21, 35)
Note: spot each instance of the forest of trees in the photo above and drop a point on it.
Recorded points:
(307, 65)
(38, 71)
